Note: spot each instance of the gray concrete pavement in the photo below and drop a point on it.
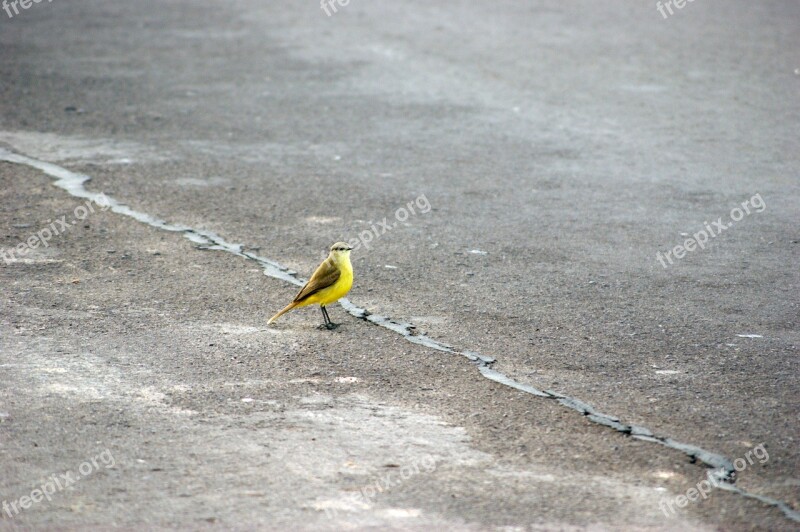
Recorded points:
(560, 148)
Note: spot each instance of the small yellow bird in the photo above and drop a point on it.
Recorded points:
(330, 282)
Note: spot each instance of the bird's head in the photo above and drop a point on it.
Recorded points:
(340, 250)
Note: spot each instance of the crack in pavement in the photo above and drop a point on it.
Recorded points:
(722, 468)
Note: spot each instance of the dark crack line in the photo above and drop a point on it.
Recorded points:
(722, 468)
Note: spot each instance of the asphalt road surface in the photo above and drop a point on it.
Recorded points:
(587, 210)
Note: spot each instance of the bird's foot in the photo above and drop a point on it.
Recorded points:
(328, 326)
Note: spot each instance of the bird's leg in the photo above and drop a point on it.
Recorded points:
(328, 323)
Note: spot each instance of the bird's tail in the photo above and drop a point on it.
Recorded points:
(289, 307)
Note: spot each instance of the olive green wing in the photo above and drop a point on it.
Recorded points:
(326, 275)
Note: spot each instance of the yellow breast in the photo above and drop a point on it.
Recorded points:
(337, 290)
